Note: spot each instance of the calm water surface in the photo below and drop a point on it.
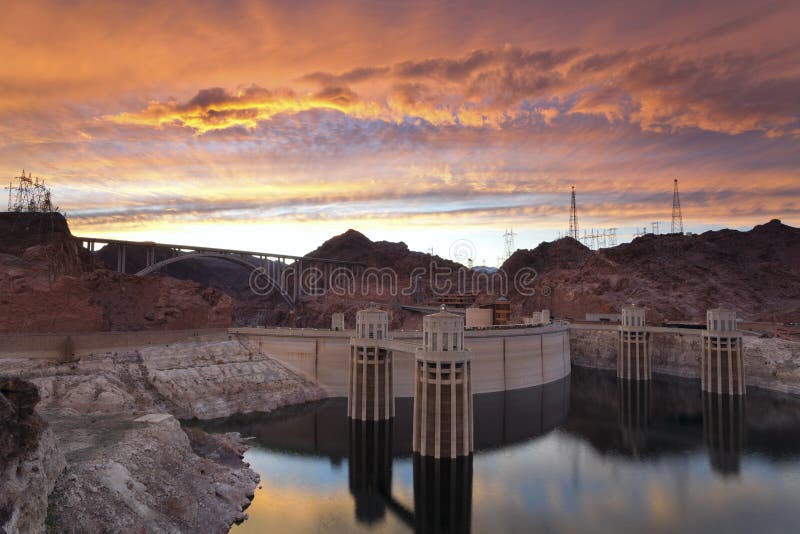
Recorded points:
(585, 454)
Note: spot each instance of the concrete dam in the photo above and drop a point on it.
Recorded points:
(502, 358)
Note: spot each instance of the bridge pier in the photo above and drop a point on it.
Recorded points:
(443, 389)
(370, 373)
(121, 260)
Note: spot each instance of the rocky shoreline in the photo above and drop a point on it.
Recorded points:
(109, 454)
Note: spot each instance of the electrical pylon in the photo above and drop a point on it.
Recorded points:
(573, 218)
(677, 217)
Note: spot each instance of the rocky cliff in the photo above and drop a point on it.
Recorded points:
(48, 283)
(675, 276)
(213, 380)
(130, 466)
(30, 462)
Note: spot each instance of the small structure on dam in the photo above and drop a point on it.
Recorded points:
(633, 354)
(337, 322)
(370, 396)
(443, 389)
(722, 363)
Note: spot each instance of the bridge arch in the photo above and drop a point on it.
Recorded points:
(221, 256)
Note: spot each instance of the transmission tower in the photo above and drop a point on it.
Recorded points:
(677, 218)
(573, 218)
(29, 194)
(509, 247)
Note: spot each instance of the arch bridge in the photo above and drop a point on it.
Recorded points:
(282, 272)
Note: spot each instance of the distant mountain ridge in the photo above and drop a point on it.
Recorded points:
(50, 283)
(675, 276)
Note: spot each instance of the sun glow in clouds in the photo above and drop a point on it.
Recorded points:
(384, 116)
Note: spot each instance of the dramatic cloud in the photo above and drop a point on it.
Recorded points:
(150, 118)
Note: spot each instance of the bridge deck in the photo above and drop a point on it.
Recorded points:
(153, 244)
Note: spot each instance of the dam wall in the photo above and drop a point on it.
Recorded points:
(502, 358)
(51, 346)
(769, 363)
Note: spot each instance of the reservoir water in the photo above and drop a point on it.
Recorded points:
(584, 454)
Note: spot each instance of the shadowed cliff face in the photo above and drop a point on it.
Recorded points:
(20, 426)
(48, 283)
(20, 429)
(676, 276)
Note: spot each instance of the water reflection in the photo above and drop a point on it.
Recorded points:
(634, 414)
(442, 495)
(442, 488)
(589, 453)
(370, 468)
(723, 431)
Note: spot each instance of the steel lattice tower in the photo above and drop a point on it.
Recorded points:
(573, 218)
(509, 247)
(677, 217)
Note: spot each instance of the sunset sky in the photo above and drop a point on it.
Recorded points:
(275, 125)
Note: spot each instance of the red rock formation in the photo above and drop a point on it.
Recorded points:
(676, 276)
(353, 246)
(48, 283)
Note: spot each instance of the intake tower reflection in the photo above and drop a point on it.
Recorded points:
(370, 468)
(723, 431)
(442, 487)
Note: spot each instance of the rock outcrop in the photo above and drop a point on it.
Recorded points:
(30, 462)
(130, 476)
(213, 380)
(676, 276)
(388, 276)
(130, 466)
(48, 283)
